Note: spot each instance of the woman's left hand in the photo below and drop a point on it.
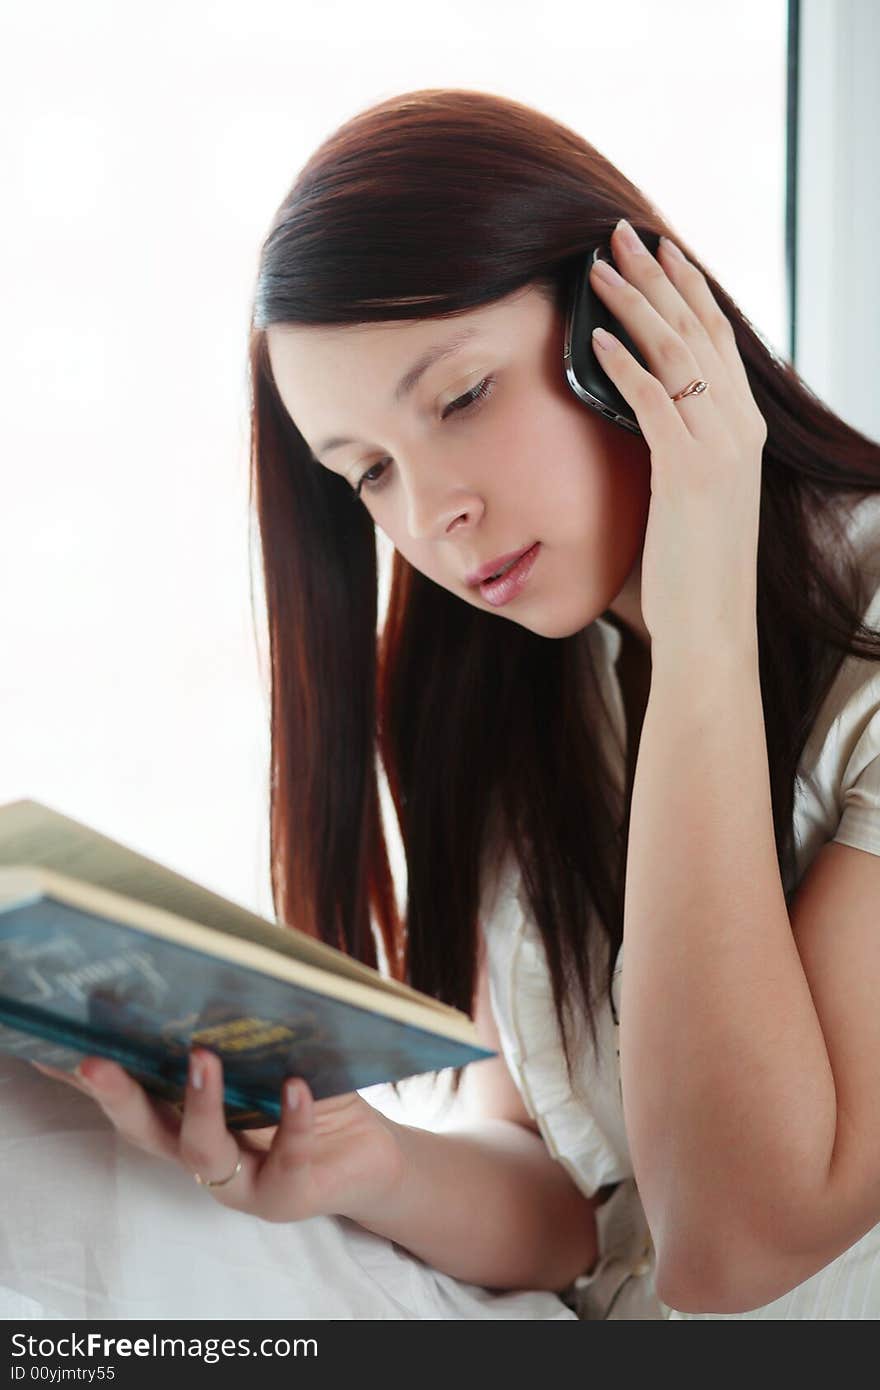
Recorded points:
(699, 563)
(339, 1156)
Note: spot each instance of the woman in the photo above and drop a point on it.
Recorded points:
(663, 730)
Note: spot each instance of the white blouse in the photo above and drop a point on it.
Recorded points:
(837, 797)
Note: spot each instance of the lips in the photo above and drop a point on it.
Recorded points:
(512, 581)
(493, 566)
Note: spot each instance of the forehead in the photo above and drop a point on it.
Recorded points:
(321, 370)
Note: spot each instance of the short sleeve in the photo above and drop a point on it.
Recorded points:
(859, 791)
(853, 763)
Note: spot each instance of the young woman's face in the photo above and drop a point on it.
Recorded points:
(455, 485)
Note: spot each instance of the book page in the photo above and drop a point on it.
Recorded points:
(34, 834)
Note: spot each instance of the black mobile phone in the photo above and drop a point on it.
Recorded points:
(585, 376)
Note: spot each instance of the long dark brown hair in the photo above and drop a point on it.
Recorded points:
(426, 205)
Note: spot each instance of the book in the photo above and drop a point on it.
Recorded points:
(105, 952)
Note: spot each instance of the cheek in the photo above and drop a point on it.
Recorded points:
(597, 475)
(629, 484)
(421, 555)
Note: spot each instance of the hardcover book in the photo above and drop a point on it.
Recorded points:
(105, 952)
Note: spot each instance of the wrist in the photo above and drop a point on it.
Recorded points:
(379, 1208)
(690, 668)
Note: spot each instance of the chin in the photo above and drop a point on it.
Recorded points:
(562, 623)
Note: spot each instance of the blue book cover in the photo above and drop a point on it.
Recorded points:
(80, 975)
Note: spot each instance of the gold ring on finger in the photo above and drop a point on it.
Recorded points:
(692, 389)
(218, 1182)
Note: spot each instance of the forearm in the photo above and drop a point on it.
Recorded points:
(488, 1204)
(728, 1091)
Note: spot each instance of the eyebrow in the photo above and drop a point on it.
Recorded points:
(409, 380)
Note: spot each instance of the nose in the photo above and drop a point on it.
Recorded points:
(435, 507)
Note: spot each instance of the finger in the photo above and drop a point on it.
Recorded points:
(128, 1107)
(658, 417)
(681, 294)
(70, 1078)
(693, 286)
(73, 1078)
(692, 282)
(206, 1147)
(671, 361)
(286, 1179)
(649, 276)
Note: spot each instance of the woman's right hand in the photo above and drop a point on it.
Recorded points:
(340, 1156)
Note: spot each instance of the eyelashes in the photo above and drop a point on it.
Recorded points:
(468, 404)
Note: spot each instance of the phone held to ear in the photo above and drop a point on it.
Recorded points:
(586, 311)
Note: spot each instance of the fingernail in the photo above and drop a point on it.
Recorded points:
(291, 1095)
(602, 339)
(196, 1072)
(606, 271)
(672, 248)
(630, 238)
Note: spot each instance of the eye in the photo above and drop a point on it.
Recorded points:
(470, 402)
(471, 398)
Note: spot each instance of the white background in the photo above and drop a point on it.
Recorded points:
(144, 152)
